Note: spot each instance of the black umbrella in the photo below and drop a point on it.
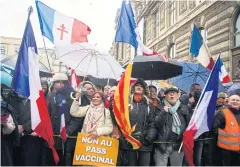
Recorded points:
(154, 68)
(12, 60)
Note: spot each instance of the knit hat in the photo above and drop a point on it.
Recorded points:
(87, 82)
(222, 95)
(171, 89)
(60, 77)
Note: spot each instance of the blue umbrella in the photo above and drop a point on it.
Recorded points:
(192, 73)
(6, 75)
(234, 88)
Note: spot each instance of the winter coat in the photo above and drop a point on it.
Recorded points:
(23, 114)
(59, 98)
(104, 125)
(163, 122)
(9, 134)
(75, 126)
(141, 115)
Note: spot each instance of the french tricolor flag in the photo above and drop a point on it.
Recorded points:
(59, 28)
(26, 82)
(200, 52)
(223, 76)
(199, 49)
(203, 114)
(128, 32)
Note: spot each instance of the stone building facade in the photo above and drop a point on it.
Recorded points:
(9, 46)
(167, 28)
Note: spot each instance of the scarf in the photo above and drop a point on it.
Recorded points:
(92, 118)
(155, 102)
(176, 120)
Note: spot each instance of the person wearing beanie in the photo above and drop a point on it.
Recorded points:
(225, 131)
(60, 101)
(221, 100)
(171, 121)
(141, 115)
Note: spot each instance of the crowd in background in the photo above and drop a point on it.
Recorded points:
(160, 118)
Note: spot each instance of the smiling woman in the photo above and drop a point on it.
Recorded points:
(97, 121)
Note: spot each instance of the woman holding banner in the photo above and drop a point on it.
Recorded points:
(97, 121)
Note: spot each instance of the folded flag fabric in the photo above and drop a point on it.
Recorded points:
(59, 28)
(199, 49)
(128, 32)
(203, 115)
(223, 76)
(121, 107)
(27, 83)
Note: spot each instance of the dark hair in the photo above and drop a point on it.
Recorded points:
(100, 87)
(152, 86)
(195, 84)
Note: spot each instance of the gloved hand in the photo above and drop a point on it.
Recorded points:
(147, 141)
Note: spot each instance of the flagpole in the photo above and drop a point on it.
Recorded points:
(30, 10)
(46, 53)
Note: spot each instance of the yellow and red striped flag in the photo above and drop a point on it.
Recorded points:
(121, 107)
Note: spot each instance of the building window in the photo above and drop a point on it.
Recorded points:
(162, 16)
(192, 4)
(237, 31)
(17, 47)
(156, 24)
(3, 50)
(144, 32)
(172, 51)
(148, 29)
(172, 12)
(204, 34)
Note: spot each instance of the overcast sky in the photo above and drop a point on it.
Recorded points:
(99, 15)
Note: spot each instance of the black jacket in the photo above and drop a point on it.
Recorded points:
(8, 141)
(75, 126)
(220, 122)
(61, 96)
(143, 116)
(163, 123)
(23, 114)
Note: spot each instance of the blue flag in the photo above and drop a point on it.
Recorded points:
(196, 42)
(126, 26)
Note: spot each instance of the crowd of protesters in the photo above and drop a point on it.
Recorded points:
(160, 118)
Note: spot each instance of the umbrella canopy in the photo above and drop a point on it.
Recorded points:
(12, 60)
(192, 73)
(6, 75)
(234, 88)
(88, 59)
(154, 68)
